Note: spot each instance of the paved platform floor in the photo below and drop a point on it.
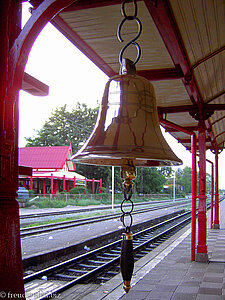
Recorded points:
(168, 273)
(176, 277)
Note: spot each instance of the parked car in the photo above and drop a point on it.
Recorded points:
(22, 193)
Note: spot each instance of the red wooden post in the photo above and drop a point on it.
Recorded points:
(68, 186)
(85, 186)
(216, 224)
(11, 269)
(212, 194)
(31, 183)
(44, 187)
(100, 186)
(201, 254)
(93, 186)
(24, 183)
(64, 182)
(55, 186)
(13, 57)
(52, 182)
(74, 181)
(38, 186)
(194, 195)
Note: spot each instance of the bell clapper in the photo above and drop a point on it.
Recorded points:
(128, 173)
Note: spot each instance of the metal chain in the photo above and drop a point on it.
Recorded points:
(127, 197)
(133, 41)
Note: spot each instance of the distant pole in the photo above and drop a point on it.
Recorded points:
(174, 186)
(113, 171)
(142, 170)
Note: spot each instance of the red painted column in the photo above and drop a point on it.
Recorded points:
(64, 182)
(212, 194)
(44, 187)
(194, 195)
(11, 270)
(52, 182)
(55, 186)
(74, 181)
(85, 186)
(201, 254)
(24, 183)
(68, 186)
(100, 186)
(93, 186)
(31, 183)
(216, 224)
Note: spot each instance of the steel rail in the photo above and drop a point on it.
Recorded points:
(73, 223)
(141, 240)
(81, 210)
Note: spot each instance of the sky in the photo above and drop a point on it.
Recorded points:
(72, 77)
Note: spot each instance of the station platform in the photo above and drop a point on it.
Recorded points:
(168, 273)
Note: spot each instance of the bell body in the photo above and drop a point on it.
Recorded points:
(127, 127)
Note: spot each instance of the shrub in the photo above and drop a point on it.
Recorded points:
(64, 192)
(77, 190)
(103, 189)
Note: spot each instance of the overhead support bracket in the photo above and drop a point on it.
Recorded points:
(162, 74)
(206, 111)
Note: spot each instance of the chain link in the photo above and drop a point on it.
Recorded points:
(127, 198)
(133, 41)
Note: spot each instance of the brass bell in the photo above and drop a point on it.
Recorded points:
(127, 127)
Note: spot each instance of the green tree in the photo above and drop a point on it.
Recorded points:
(64, 127)
(153, 180)
(183, 179)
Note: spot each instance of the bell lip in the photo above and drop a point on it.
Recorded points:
(116, 160)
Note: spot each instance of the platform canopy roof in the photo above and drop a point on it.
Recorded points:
(182, 44)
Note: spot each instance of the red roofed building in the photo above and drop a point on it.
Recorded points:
(52, 169)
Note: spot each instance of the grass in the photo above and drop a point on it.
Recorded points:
(80, 216)
(59, 201)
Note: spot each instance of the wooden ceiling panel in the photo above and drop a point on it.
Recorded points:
(211, 76)
(171, 93)
(98, 28)
(200, 26)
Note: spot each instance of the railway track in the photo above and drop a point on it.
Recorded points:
(89, 209)
(101, 264)
(29, 231)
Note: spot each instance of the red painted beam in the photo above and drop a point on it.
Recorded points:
(208, 57)
(185, 141)
(164, 20)
(86, 4)
(188, 128)
(176, 109)
(161, 74)
(191, 108)
(75, 39)
(218, 120)
(219, 134)
(83, 4)
(26, 171)
(215, 97)
(34, 86)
